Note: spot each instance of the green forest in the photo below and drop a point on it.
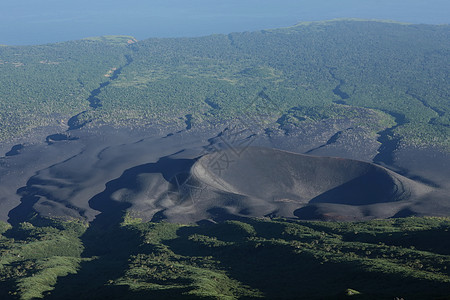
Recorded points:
(238, 259)
(395, 69)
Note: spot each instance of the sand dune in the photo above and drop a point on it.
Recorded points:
(172, 177)
(269, 182)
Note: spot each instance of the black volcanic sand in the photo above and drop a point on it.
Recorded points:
(269, 182)
(174, 174)
(428, 165)
(78, 170)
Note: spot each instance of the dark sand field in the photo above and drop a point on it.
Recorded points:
(195, 175)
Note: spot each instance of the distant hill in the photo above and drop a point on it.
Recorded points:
(114, 39)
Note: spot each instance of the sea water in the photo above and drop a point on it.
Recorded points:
(36, 22)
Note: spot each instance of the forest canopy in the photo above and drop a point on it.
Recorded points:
(397, 69)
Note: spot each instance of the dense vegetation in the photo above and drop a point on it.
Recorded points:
(396, 69)
(45, 85)
(248, 258)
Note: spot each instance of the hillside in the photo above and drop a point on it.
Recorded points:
(246, 259)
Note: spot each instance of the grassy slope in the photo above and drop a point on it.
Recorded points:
(250, 258)
(390, 67)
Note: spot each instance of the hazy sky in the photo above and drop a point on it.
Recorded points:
(43, 21)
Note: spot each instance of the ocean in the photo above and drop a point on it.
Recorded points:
(24, 22)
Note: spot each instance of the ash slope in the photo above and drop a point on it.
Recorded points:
(167, 178)
(269, 182)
